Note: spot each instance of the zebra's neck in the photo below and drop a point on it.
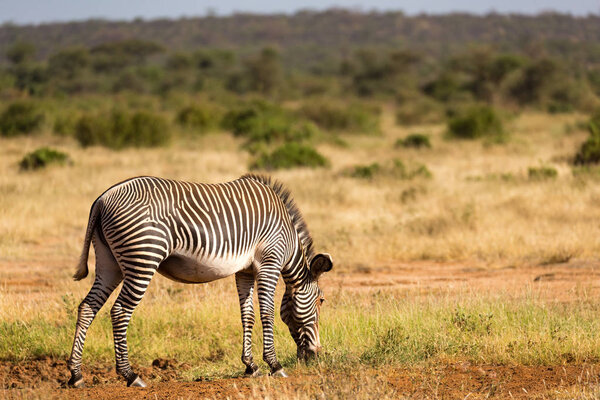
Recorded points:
(296, 274)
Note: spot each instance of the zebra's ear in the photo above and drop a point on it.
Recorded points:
(320, 263)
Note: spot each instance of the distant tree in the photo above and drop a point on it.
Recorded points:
(112, 56)
(264, 72)
(373, 72)
(68, 63)
(179, 62)
(20, 53)
(535, 78)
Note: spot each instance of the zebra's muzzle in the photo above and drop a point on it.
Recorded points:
(307, 353)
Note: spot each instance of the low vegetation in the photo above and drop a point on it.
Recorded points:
(198, 118)
(395, 169)
(589, 152)
(352, 118)
(542, 173)
(43, 157)
(119, 129)
(475, 122)
(290, 155)
(367, 328)
(20, 118)
(260, 122)
(415, 140)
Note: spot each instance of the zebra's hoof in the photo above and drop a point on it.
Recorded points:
(280, 373)
(76, 382)
(252, 371)
(137, 382)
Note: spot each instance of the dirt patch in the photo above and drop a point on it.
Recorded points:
(45, 378)
(557, 282)
(50, 373)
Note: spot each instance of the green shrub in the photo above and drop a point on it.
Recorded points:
(290, 155)
(262, 122)
(353, 118)
(199, 118)
(542, 173)
(589, 153)
(396, 169)
(42, 157)
(475, 122)
(20, 118)
(365, 171)
(122, 129)
(416, 140)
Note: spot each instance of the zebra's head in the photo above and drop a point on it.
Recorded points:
(300, 309)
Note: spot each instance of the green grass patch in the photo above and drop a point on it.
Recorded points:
(374, 328)
(395, 169)
(542, 173)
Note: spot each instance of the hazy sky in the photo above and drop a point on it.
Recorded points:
(35, 11)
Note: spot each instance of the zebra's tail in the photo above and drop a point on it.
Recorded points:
(82, 267)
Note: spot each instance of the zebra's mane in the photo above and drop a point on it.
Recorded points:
(294, 212)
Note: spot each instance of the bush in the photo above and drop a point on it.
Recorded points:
(43, 157)
(397, 169)
(416, 140)
(20, 118)
(122, 129)
(261, 122)
(542, 173)
(475, 122)
(199, 118)
(290, 155)
(355, 118)
(365, 171)
(589, 153)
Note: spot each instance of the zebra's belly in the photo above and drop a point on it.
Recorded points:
(188, 269)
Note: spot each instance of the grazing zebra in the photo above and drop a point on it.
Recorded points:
(197, 233)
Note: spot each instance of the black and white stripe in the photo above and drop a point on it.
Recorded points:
(196, 233)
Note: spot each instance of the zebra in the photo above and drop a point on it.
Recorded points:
(198, 233)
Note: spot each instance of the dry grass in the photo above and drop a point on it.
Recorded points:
(467, 211)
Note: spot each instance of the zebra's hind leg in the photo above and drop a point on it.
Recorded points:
(244, 282)
(137, 279)
(267, 278)
(108, 277)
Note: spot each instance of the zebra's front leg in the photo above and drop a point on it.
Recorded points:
(134, 287)
(267, 281)
(244, 282)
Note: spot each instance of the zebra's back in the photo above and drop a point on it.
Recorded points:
(202, 232)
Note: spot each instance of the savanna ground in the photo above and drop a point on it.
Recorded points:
(477, 282)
